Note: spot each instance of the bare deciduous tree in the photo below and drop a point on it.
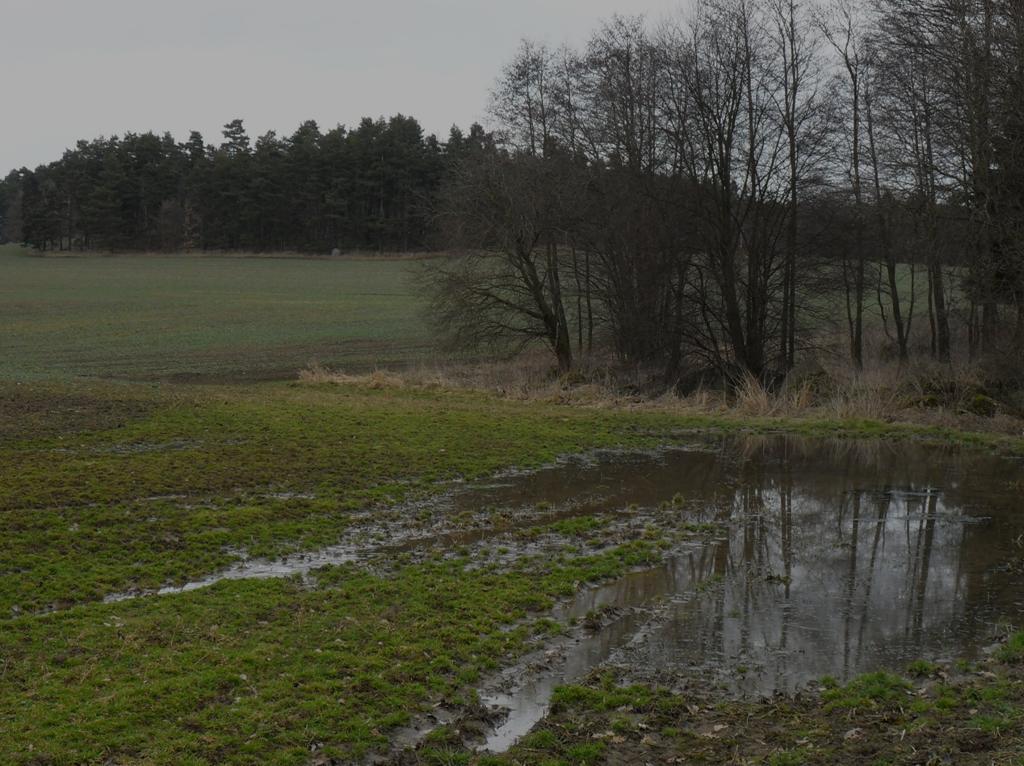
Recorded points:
(507, 212)
(712, 186)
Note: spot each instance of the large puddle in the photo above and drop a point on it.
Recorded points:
(836, 558)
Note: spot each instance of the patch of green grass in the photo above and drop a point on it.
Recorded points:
(491, 760)
(922, 707)
(256, 671)
(442, 735)
(991, 724)
(603, 698)
(445, 757)
(585, 753)
(1013, 650)
(622, 726)
(922, 668)
(947, 702)
(867, 691)
(540, 740)
(546, 626)
(997, 691)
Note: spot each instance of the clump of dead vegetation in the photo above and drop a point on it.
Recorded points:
(378, 379)
(960, 397)
(928, 394)
(923, 393)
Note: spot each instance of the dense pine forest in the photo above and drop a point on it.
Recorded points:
(364, 188)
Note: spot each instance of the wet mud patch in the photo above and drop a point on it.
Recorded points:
(599, 622)
(928, 714)
(32, 412)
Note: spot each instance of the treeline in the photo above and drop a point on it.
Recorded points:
(706, 194)
(366, 188)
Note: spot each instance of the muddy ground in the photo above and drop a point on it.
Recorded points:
(931, 714)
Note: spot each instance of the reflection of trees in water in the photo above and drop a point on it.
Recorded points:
(609, 484)
(867, 551)
(865, 541)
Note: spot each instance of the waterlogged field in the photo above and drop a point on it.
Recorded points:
(112, 490)
(449, 616)
(203, 318)
(311, 574)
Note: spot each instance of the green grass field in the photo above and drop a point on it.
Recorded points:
(183, 317)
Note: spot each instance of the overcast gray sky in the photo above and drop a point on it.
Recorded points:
(82, 68)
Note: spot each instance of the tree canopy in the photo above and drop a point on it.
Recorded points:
(368, 187)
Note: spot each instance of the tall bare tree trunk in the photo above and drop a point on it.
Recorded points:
(885, 235)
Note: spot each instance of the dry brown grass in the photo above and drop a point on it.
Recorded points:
(951, 396)
(528, 377)
(921, 394)
(377, 379)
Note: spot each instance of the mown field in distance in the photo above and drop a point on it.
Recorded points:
(179, 317)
